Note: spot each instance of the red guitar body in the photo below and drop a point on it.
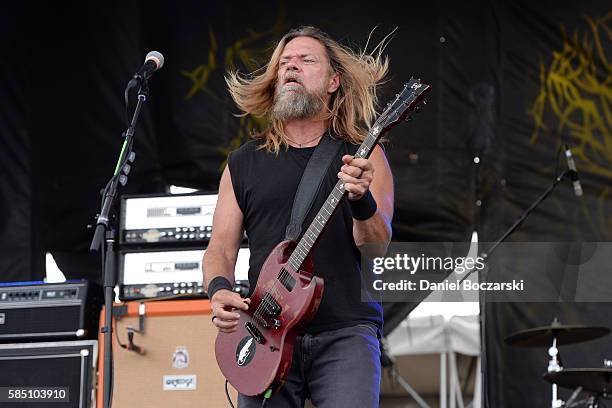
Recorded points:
(257, 356)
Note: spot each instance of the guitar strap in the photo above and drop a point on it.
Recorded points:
(310, 184)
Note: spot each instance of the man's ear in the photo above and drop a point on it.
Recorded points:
(334, 83)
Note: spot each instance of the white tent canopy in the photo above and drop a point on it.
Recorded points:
(437, 335)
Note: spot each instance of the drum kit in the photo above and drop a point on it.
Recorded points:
(596, 381)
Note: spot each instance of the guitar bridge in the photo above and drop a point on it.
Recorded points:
(254, 332)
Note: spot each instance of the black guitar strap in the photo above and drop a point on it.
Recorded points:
(310, 184)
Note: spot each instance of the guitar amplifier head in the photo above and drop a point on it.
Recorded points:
(171, 219)
(37, 310)
(155, 273)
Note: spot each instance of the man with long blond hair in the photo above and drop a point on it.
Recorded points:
(312, 88)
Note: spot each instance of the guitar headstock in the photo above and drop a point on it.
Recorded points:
(409, 100)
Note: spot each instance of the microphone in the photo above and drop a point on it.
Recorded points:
(153, 62)
(573, 174)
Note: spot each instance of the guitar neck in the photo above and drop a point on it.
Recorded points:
(318, 225)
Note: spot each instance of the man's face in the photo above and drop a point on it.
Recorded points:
(305, 81)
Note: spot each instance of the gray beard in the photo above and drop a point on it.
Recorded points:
(296, 105)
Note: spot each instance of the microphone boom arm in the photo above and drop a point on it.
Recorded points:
(567, 174)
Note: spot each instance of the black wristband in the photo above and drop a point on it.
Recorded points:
(216, 284)
(363, 208)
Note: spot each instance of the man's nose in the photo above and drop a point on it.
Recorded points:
(292, 65)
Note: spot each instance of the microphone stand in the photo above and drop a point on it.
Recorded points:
(567, 174)
(104, 239)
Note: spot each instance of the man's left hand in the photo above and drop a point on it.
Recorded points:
(357, 175)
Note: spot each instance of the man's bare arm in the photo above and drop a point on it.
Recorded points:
(222, 252)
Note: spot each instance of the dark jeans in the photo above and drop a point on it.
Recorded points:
(335, 369)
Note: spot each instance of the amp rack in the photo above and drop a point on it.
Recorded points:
(167, 220)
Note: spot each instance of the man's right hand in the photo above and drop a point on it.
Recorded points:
(224, 304)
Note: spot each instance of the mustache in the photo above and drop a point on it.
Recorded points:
(291, 77)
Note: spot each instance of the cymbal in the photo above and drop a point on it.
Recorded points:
(565, 334)
(597, 380)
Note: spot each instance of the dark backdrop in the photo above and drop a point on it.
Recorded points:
(511, 81)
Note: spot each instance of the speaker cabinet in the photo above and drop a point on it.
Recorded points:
(54, 374)
(175, 364)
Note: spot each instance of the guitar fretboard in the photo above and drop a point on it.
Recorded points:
(312, 234)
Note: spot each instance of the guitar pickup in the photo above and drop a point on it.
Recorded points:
(272, 308)
(286, 279)
(254, 332)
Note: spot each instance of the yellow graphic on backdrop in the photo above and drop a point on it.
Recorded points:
(201, 74)
(247, 53)
(576, 88)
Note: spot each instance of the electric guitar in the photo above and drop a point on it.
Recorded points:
(257, 356)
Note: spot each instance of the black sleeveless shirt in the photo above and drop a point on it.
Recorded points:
(265, 185)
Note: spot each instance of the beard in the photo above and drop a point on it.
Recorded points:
(297, 104)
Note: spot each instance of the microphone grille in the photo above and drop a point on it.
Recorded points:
(156, 57)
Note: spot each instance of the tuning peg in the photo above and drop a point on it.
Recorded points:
(123, 180)
(409, 119)
(417, 109)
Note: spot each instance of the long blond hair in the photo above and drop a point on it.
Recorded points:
(352, 107)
